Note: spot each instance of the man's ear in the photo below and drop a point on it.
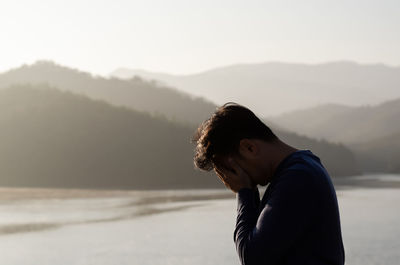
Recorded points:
(248, 148)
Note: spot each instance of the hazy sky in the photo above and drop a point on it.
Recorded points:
(182, 36)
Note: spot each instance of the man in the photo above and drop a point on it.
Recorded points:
(297, 221)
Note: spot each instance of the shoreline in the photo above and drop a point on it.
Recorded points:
(152, 196)
(368, 181)
(138, 203)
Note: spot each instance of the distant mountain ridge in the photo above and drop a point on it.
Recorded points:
(80, 135)
(273, 88)
(53, 138)
(371, 132)
(134, 93)
(379, 155)
(349, 125)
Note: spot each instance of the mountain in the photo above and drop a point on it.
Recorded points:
(371, 132)
(133, 93)
(379, 155)
(50, 138)
(344, 124)
(273, 88)
(53, 138)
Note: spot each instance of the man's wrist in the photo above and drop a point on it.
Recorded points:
(248, 196)
(248, 186)
(243, 189)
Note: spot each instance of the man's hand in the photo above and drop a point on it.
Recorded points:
(233, 176)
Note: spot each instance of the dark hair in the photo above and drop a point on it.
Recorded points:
(222, 132)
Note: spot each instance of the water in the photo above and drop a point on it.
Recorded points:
(170, 227)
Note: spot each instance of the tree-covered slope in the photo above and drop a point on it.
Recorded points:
(53, 138)
(59, 139)
(133, 93)
(344, 124)
(379, 155)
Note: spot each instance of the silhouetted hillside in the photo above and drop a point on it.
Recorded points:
(51, 138)
(371, 132)
(134, 93)
(273, 88)
(379, 155)
(58, 139)
(337, 158)
(344, 124)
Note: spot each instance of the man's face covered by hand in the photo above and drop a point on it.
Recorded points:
(231, 173)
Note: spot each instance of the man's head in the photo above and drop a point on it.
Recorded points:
(234, 130)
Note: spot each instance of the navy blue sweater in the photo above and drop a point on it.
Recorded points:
(296, 222)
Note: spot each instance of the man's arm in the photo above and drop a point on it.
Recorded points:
(264, 239)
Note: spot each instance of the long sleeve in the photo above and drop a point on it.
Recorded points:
(263, 237)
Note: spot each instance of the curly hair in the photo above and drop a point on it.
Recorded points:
(221, 133)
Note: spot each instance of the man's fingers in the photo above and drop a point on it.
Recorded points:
(223, 174)
(231, 174)
(218, 171)
(222, 177)
(235, 165)
(220, 174)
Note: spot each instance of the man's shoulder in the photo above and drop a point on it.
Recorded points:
(303, 180)
(303, 167)
(303, 161)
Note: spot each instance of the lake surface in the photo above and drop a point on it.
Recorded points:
(194, 227)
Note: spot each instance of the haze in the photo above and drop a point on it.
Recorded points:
(183, 37)
(100, 100)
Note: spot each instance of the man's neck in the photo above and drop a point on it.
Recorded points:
(282, 150)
